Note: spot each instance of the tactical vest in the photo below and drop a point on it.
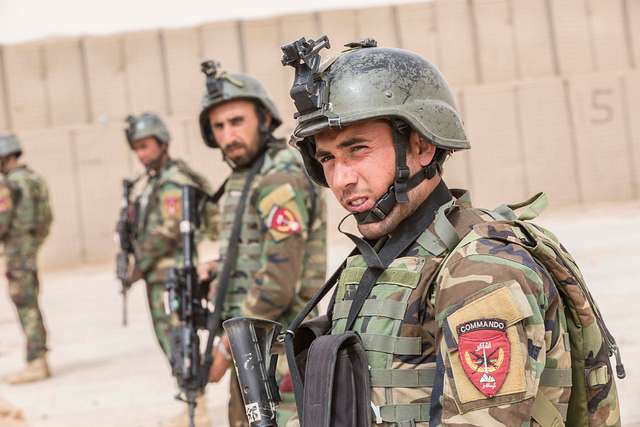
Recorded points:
(250, 247)
(401, 392)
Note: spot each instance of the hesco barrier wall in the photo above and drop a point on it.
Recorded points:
(548, 89)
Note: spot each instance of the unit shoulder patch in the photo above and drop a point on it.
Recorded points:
(171, 203)
(5, 199)
(283, 220)
(484, 350)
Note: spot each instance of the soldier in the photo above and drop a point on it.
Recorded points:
(280, 242)
(25, 219)
(458, 327)
(155, 219)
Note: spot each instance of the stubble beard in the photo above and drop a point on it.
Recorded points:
(385, 227)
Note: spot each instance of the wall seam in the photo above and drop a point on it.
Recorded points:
(165, 71)
(85, 77)
(573, 136)
(5, 86)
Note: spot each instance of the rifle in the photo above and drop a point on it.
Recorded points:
(188, 301)
(123, 237)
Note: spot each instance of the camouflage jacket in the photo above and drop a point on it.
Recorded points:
(282, 254)
(157, 214)
(25, 213)
(422, 326)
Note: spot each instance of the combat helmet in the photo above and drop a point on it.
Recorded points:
(146, 125)
(223, 87)
(9, 144)
(367, 82)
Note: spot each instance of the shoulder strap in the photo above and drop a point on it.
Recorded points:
(215, 197)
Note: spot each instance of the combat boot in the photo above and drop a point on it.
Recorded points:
(201, 418)
(36, 370)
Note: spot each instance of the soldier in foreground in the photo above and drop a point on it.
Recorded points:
(154, 223)
(272, 251)
(465, 316)
(25, 219)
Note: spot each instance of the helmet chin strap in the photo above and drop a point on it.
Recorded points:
(402, 184)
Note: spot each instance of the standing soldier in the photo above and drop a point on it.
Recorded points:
(155, 219)
(274, 259)
(467, 316)
(25, 217)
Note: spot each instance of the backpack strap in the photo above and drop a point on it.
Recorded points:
(545, 413)
(523, 211)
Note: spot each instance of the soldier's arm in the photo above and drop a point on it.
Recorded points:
(164, 231)
(6, 207)
(284, 217)
(491, 370)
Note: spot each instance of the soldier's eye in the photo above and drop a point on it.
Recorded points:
(324, 159)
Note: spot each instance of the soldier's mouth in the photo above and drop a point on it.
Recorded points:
(358, 204)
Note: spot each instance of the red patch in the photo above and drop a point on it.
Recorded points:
(285, 221)
(286, 386)
(172, 206)
(484, 352)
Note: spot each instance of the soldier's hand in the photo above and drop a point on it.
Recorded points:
(207, 270)
(221, 360)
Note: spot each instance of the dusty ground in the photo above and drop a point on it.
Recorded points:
(106, 375)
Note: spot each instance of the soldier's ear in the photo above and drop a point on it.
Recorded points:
(266, 121)
(422, 148)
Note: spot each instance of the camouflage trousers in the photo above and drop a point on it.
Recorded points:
(286, 408)
(22, 275)
(162, 323)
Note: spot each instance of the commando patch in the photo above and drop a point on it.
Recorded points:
(484, 351)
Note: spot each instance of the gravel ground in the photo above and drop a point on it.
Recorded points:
(106, 375)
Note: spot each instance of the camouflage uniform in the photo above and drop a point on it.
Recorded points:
(281, 258)
(412, 323)
(464, 327)
(25, 216)
(157, 241)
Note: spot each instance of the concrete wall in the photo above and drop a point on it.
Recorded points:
(548, 91)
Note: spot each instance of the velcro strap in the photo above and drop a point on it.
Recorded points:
(404, 346)
(405, 412)
(556, 377)
(545, 413)
(372, 307)
(444, 230)
(403, 377)
(598, 376)
(431, 243)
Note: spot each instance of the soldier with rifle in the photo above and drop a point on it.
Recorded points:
(272, 250)
(149, 226)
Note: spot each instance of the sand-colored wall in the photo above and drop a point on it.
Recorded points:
(548, 91)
